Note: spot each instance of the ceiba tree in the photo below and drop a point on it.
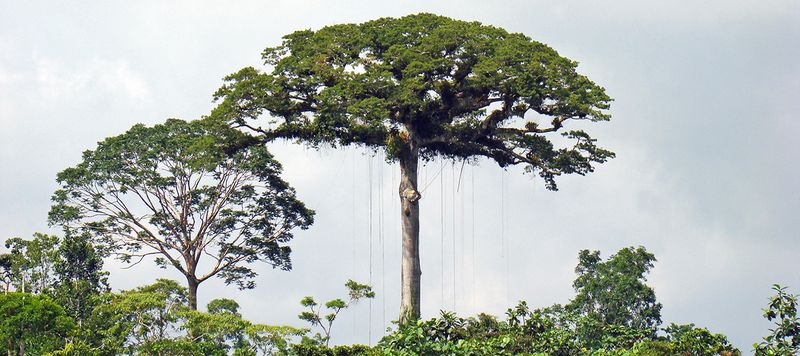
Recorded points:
(421, 87)
(175, 192)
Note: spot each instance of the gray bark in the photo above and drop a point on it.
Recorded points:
(409, 216)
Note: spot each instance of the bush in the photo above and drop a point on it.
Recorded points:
(307, 349)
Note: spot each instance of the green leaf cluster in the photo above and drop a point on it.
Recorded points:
(314, 315)
(32, 324)
(156, 319)
(548, 331)
(69, 270)
(614, 292)
(452, 88)
(784, 338)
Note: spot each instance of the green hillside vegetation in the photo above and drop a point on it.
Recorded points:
(614, 312)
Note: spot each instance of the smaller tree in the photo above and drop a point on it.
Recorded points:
(690, 340)
(183, 193)
(131, 319)
(223, 305)
(314, 315)
(784, 339)
(154, 320)
(6, 271)
(80, 277)
(223, 328)
(32, 262)
(614, 292)
(32, 324)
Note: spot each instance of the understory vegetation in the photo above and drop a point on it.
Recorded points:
(614, 312)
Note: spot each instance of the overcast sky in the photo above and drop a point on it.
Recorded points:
(704, 125)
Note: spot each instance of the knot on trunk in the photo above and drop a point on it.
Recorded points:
(411, 195)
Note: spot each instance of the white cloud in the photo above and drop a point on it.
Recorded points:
(99, 77)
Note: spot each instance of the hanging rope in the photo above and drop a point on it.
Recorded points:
(508, 259)
(441, 238)
(463, 230)
(503, 224)
(502, 215)
(460, 173)
(369, 164)
(425, 169)
(428, 182)
(383, 253)
(453, 213)
(461, 235)
(396, 202)
(474, 287)
(353, 222)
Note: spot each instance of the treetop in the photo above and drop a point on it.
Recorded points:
(455, 89)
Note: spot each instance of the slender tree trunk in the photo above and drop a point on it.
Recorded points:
(409, 215)
(193, 284)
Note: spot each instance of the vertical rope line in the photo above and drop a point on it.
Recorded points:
(474, 262)
(395, 201)
(353, 222)
(453, 213)
(461, 239)
(441, 238)
(369, 164)
(503, 223)
(424, 168)
(382, 238)
(502, 215)
(353, 235)
(508, 258)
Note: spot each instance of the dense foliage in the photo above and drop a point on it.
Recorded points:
(453, 88)
(174, 191)
(32, 324)
(784, 338)
(546, 332)
(613, 292)
(156, 319)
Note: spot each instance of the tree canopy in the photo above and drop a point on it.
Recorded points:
(614, 291)
(174, 191)
(32, 324)
(31, 263)
(420, 87)
(457, 89)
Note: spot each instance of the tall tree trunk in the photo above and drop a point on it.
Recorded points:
(409, 215)
(193, 283)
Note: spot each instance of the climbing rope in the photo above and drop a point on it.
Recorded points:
(503, 241)
(453, 213)
(369, 175)
(353, 222)
(383, 251)
(472, 206)
(441, 238)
